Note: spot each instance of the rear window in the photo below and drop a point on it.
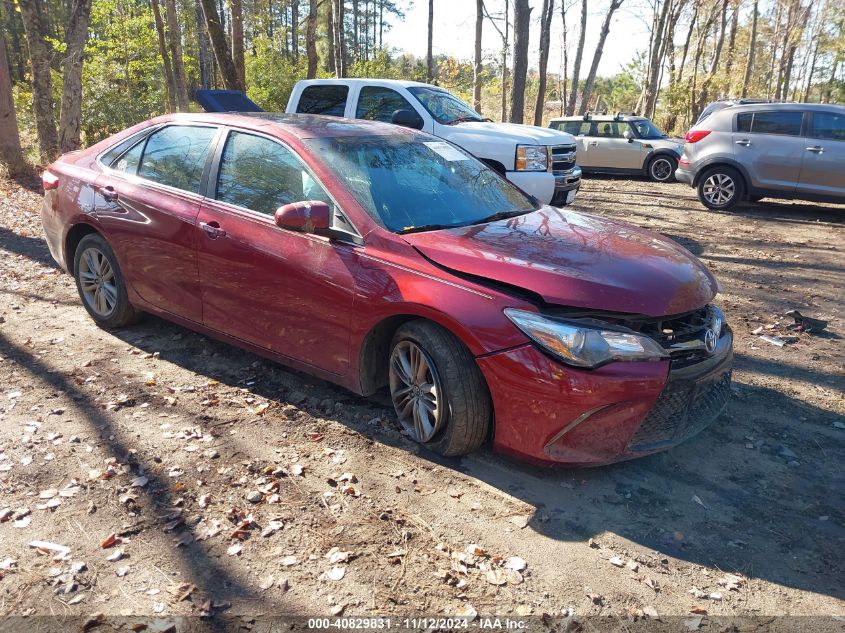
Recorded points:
(328, 100)
(787, 123)
(574, 128)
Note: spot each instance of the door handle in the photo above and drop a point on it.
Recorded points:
(818, 149)
(212, 230)
(744, 142)
(108, 193)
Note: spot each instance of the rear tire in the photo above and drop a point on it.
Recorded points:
(437, 389)
(662, 168)
(721, 188)
(100, 283)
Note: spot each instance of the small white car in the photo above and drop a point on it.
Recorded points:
(540, 161)
(622, 144)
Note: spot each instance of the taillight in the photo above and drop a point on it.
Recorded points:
(693, 136)
(49, 180)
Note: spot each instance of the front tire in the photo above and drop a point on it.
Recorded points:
(721, 188)
(100, 283)
(437, 389)
(662, 168)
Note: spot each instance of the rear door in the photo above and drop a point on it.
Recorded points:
(287, 292)
(582, 131)
(147, 202)
(770, 147)
(824, 155)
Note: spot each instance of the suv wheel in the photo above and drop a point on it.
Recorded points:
(437, 389)
(720, 188)
(662, 168)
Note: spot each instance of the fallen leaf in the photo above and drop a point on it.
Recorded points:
(139, 482)
(651, 612)
(48, 494)
(466, 611)
(287, 561)
(336, 555)
(121, 571)
(698, 500)
(693, 624)
(496, 576)
(516, 563)
(524, 610)
(335, 573)
(520, 521)
(112, 540)
(50, 547)
(116, 556)
(234, 549)
(616, 562)
(272, 527)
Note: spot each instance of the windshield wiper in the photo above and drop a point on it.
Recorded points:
(501, 215)
(464, 119)
(425, 227)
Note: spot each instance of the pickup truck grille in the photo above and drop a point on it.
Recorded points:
(563, 158)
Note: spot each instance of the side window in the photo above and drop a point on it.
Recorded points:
(786, 123)
(743, 122)
(609, 129)
(379, 104)
(175, 156)
(828, 125)
(329, 100)
(111, 157)
(260, 174)
(572, 127)
(128, 162)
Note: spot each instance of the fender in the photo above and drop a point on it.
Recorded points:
(721, 160)
(665, 151)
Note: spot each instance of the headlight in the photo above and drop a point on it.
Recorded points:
(583, 346)
(532, 158)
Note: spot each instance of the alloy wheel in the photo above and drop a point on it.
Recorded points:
(97, 281)
(416, 391)
(719, 189)
(661, 169)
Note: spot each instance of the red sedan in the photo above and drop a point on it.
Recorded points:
(375, 256)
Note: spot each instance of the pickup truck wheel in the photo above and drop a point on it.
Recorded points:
(662, 168)
(100, 283)
(721, 188)
(437, 389)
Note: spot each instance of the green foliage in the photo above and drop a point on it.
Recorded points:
(270, 75)
(122, 79)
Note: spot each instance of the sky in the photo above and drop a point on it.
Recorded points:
(454, 32)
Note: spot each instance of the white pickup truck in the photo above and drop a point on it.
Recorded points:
(540, 161)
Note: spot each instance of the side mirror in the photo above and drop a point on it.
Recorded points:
(407, 118)
(628, 134)
(310, 216)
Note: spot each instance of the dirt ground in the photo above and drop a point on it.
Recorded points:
(225, 484)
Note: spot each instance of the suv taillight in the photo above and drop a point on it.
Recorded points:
(49, 180)
(693, 136)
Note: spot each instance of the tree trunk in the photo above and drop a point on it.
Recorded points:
(576, 67)
(521, 29)
(714, 66)
(169, 83)
(206, 63)
(237, 41)
(752, 47)
(729, 62)
(294, 29)
(687, 41)
(655, 61)
(231, 79)
(42, 84)
(330, 35)
(71, 109)
(175, 41)
(11, 155)
(429, 56)
(545, 41)
(591, 78)
(505, 44)
(561, 78)
(311, 39)
(476, 69)
(339, 39)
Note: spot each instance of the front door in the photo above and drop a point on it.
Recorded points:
(147, 202)
(824, 156)
(609, 149)
(288, 292)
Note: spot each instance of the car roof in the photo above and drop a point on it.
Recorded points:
(401, 83)
(301, 126)
(786, 106)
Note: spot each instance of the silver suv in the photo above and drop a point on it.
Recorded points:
(769, 150)
(622, 144)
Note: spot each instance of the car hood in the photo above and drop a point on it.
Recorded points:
(675, 144)
(467, 131)
(576, 260)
